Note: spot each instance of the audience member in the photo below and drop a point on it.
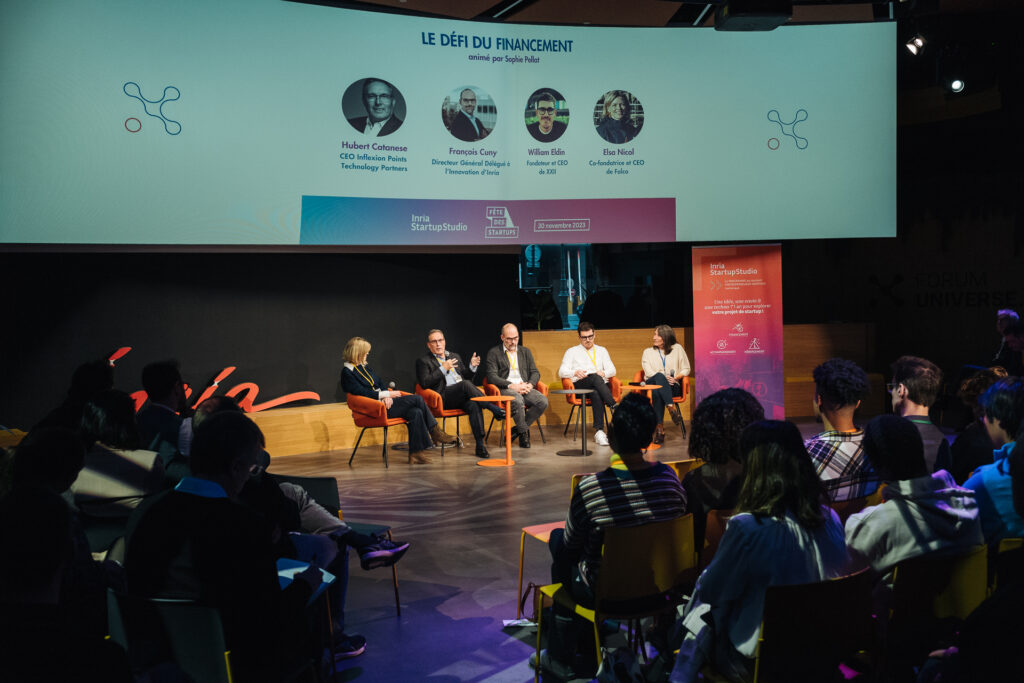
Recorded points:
(1004, 318)
(117, 474)
(921, 513)
(643, 492)
(196, 542)
(1003, 406)
(715, 432)
(40, 640)
(839, 387)
(50, 458)
(783, 533)
(159, 419)
(915, 386)
(972, 447)
(309, 532)
(88, 380)
(1013, 358)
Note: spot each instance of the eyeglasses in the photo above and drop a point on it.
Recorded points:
(586, 337)
(546, 110)
(435, 341)
(511, 338)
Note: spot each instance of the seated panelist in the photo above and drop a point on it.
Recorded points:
(511, 368)
(358, 378)
(443, 371)
(663, 364)
(590, 367)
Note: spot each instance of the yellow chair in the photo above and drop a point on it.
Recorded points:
(642, 568)
(1008, 561)
(845, 508)
(682, 467)
(930, 594)
(542, 532)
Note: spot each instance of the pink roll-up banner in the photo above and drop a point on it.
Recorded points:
(737, 322)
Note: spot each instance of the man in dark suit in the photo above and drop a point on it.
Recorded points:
(444, 372)
(466, 126)
(159, 420)
(510, 367)
(379, 100)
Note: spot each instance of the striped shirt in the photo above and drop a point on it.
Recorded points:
(618, 498)
(839, 460)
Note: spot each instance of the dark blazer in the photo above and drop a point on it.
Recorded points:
(498, 367)
(430, 376)
(393, 124)
(463, 129)
(354, 383)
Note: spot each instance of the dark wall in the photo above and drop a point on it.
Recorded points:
(282, 319)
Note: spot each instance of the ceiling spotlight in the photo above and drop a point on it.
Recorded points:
(956, 85)
(915, 45)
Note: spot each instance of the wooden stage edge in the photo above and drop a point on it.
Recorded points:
(328, 426)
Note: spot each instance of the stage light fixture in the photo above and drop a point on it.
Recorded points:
(915, 45)
(956, 85)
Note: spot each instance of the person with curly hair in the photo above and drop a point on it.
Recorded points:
(837, 452)
(715, 432)
(972, 448)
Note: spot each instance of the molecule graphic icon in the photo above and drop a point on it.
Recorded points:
(788, 128)
(172, 127)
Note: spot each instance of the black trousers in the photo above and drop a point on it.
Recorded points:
(457, 396)
(663, 397)
(415, 412)
(601, 397)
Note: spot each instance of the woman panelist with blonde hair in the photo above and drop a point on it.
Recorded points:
(664, 363)
(358, 378)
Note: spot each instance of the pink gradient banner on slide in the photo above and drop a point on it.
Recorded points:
(737, 322)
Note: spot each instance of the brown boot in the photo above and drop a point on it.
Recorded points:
(418, 458)
(440, 437)
(659, 435)
(673, 412)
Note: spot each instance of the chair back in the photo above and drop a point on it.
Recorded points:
(681, 467)
(431, 398)
(571, 399)
(938, 586)
(643, 566)
(845, 508)
(1009, 561)
(714, 529)
(154, 630)
(808, 629)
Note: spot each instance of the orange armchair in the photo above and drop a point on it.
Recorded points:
(435, 405)
(576, 401)
(684, 384)
(369, 413)
(492, 390)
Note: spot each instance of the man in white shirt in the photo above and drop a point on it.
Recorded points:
(590, 367)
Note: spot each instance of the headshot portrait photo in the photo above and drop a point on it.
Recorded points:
(373, 106)
(547, 115)
(469, 113)
(618, 117)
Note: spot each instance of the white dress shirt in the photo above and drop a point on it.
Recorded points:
(588, 360)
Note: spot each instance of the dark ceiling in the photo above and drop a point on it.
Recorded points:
(975, 39)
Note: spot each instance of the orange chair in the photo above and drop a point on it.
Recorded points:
(436, 407)
(576, 401)
(369, 413)
(492, 390)
(684, 384)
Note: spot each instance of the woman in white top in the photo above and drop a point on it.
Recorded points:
(783, 533)
(663, 364)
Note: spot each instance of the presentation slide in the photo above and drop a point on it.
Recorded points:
(265, 122)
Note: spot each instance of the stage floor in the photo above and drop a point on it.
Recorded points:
(458, 580)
